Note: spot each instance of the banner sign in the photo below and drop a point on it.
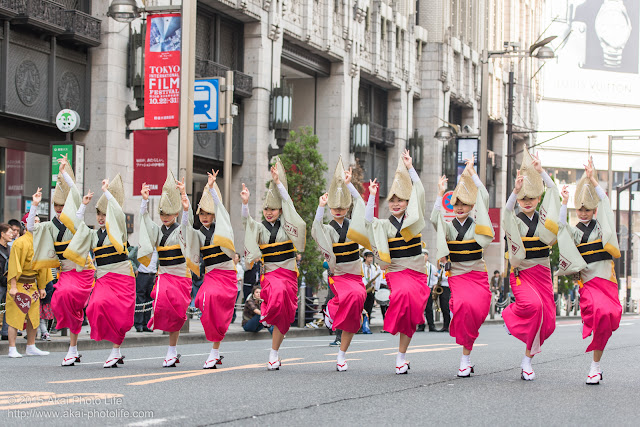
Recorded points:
(15, 172)
(162, 70)
(149, 160)
(57, 151)
(494, 215)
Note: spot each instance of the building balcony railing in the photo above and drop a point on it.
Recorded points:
(81, 27)
(381, 135)
(10, 8)
(46, 15)
(243, 83)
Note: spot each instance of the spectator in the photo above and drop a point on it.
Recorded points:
(251, 278)
(240, 279)
(6, 236)
(372, 277)
(46, 313)
(496, 287)
(444, 297)
(251, 313)
(16, 227)
(432, 279)
(145, 278)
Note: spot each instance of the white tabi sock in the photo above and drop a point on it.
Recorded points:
(526, 363)
(400, 358)
(465, 361)
(115, 353)
(73, 350)
(172, 351)
(341, 356)
(273, 355)
(215, 354)
(13, 351)
(595, 366)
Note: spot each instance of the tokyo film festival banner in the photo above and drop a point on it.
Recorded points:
(149, 160)
(162, 71)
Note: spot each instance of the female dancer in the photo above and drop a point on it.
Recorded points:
(276, 240)
(174, 242)
(50, 239)
(344, 310)
(463, 241)
(597, 244)
(530, 235)
(397, 244)
(112, 303)
(217, 295)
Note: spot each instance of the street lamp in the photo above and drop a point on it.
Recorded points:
(444, 133)
(123, 11)
(538, 50)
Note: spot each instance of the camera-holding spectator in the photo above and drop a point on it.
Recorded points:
(251, 313)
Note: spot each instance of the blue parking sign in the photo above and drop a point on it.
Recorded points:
(206, 104)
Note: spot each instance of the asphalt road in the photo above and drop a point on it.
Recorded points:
(308, 390)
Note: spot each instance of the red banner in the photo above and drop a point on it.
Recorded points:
(162, 70)
(149, 160)
(15, 172)
(365, 197)
(494, 215)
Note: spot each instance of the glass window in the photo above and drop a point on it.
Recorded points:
(22, 173)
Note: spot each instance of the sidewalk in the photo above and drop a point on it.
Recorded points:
(196, 335)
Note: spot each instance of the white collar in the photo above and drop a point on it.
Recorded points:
(462, 223)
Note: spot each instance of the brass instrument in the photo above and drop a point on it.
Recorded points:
(436, 292)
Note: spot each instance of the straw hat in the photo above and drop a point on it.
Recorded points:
(62, 189)
(170, 200)
(402, 184)
(586, 194)
(116, 188)
(339, 196)
(466, 190)
(273, 200)
(532, 186)
(206, 201)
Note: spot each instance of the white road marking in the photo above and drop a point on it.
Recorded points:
(150, 422)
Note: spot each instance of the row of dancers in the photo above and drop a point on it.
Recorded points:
(104, 283)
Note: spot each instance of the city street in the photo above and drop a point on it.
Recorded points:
(308, 390)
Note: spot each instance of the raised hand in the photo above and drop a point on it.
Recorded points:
(323, 200)
(519, 183)
(275, 176)
(406, 158)
(145, 191)
(373, 187)
(180, 186)
(536, 163)
(211, 178)
(185, 202)
(105, 185)
(87, 198)
(470, 163)
(63, 161)
(442, 185)
(37, 197)
(347, 175)
(244, 194)
(565, 194)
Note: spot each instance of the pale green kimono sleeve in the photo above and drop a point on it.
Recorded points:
(549, 213)
(252, 251)
(190, 243)
(359, 229)
(570, 260)
(515, 246)
(80, 246)
(483, 229)
(68, 216)
(294, 225)
(414, 222)
(223, 234)
(320, 234)
(607, 224)
(116, 226)
(147, 239)
(439, 223)
(44, 250)
(380, 242)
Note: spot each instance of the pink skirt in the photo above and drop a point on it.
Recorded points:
(280, 295)
(409, 294)
(532, 318)
(111, 307)
(600, 310)
(216, 300)
(171, 297)
(469, 303)
(71, 297)
(345, 308)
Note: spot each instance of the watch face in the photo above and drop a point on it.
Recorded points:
(613, 26)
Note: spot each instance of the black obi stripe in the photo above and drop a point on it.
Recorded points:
(346, 253)
(473, 251)
(593, 252)
(169, 257)
(106, 255)
(278, 252)
(212, 255)
(402, 249)
(60, 248)
(530, 246)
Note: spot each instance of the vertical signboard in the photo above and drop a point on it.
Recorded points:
(57, 151)
(162, 70)
(149, 160)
